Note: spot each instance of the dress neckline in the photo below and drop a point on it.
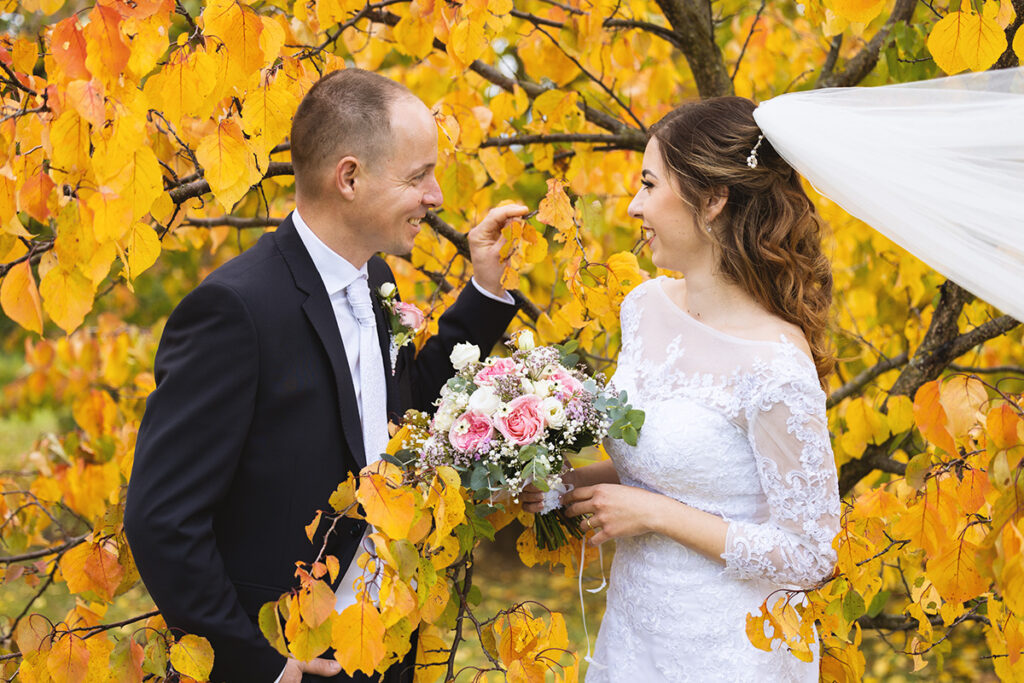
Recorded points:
(782, 340)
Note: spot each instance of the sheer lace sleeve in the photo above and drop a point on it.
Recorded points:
(789, 435)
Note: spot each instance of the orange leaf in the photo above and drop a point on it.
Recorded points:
(962, 397)
(68, 661)
(556, 209)
(954, 572)
(107, 53)
(19, 298)
(67, 44)
(931, 418)
(34, 196)
(972, 490)
(1003, 426)
(312, 526)
(388, 505)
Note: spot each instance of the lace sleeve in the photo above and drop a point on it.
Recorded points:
(789, 436)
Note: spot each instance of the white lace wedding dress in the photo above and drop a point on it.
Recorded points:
(736, 428)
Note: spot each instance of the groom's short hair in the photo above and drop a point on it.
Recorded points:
(347, 112)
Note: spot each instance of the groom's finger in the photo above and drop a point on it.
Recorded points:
(321, 667)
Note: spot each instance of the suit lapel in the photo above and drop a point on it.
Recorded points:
(320, 313)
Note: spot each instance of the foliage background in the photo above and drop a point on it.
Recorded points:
(144, 143)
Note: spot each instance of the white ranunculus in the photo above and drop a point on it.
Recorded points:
(463, 354)
(542, 388)
(525, 342)
(386, 290)
(443, 420)
(553, 411)
(484, 401)
(527, 386)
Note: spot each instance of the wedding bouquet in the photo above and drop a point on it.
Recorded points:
(507, 422)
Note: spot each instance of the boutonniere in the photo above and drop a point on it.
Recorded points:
(406, 320)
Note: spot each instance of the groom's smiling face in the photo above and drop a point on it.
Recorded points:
(400, 186)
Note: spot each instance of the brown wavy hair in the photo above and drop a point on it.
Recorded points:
(769, 234)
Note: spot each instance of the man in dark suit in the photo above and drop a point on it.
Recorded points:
(275, 377)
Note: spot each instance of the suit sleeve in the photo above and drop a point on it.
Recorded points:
(188, 450)
(473, 318)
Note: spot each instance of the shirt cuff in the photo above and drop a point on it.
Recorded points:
(278, 679)
(507, 299)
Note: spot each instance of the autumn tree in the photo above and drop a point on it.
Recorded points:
(145, 142)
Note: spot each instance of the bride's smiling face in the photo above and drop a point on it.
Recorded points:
(669, 222)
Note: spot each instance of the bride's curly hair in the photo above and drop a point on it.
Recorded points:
(769, 234)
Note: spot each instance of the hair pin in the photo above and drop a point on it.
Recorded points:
(752, 159)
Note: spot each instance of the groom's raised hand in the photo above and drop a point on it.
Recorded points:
(485, 242)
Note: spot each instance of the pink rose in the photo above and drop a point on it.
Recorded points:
(568, 385)
(409, 315)
(524, 422)
(500, 367)
(471, 432)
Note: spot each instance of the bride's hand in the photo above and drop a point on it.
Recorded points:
(614, 510)
(532, 498)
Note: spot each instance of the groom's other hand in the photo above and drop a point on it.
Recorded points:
(485, 242)
(294, 669)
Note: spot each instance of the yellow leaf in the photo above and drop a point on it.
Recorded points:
(389, 506)
(1018, 45)
(357, 636)
(106, 55)
(961, 398)
(227, 161)
(142, 247)
(239, 29)
(266, 117)
(344, 497)
(864, 422)
(67, 296)
(272, 38)
(415, 31)
(1003, 426)
(858, 11)
(901, 414)
(69, 137)
(19, 298)
(316, 603)
(111, 215)
(192, 656)
(966, 40)
(467, 41)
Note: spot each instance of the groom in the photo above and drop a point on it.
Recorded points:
(275, 377)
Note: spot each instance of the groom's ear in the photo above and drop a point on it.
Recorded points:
(347, 172)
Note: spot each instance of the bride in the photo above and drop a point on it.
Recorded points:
(731, 491)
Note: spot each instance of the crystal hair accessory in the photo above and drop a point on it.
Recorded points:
(752, 159)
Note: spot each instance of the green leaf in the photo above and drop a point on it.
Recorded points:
(270, 625)
(878, 603)
(853, 606)
(406, 556)
(636, 418)
(629, 435)
(474, 596)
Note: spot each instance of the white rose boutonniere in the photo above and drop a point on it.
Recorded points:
(406, 319)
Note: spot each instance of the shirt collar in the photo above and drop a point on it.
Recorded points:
(336, 272)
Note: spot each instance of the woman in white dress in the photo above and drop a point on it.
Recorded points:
(731, 491)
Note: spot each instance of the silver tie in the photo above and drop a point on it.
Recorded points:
(373, 392)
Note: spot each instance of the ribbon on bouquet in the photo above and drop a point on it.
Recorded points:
(583, 608)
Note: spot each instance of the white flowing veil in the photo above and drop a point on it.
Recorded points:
(937, 166)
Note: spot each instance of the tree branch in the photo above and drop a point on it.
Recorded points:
(691, 22)
(616, 141)
(746, 42)
(874, 458)
(864, 61)
(865, 377)
(234, 222)
(36, 554)
(901, 622)
(653, 29)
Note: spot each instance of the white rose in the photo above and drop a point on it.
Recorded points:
(543, 388)
(527, 386)
(525, 342)
(484, 401)
(464, 354)
(553, 411)
(387, 290)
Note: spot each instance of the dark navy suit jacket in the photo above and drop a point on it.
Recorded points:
(252, 425)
